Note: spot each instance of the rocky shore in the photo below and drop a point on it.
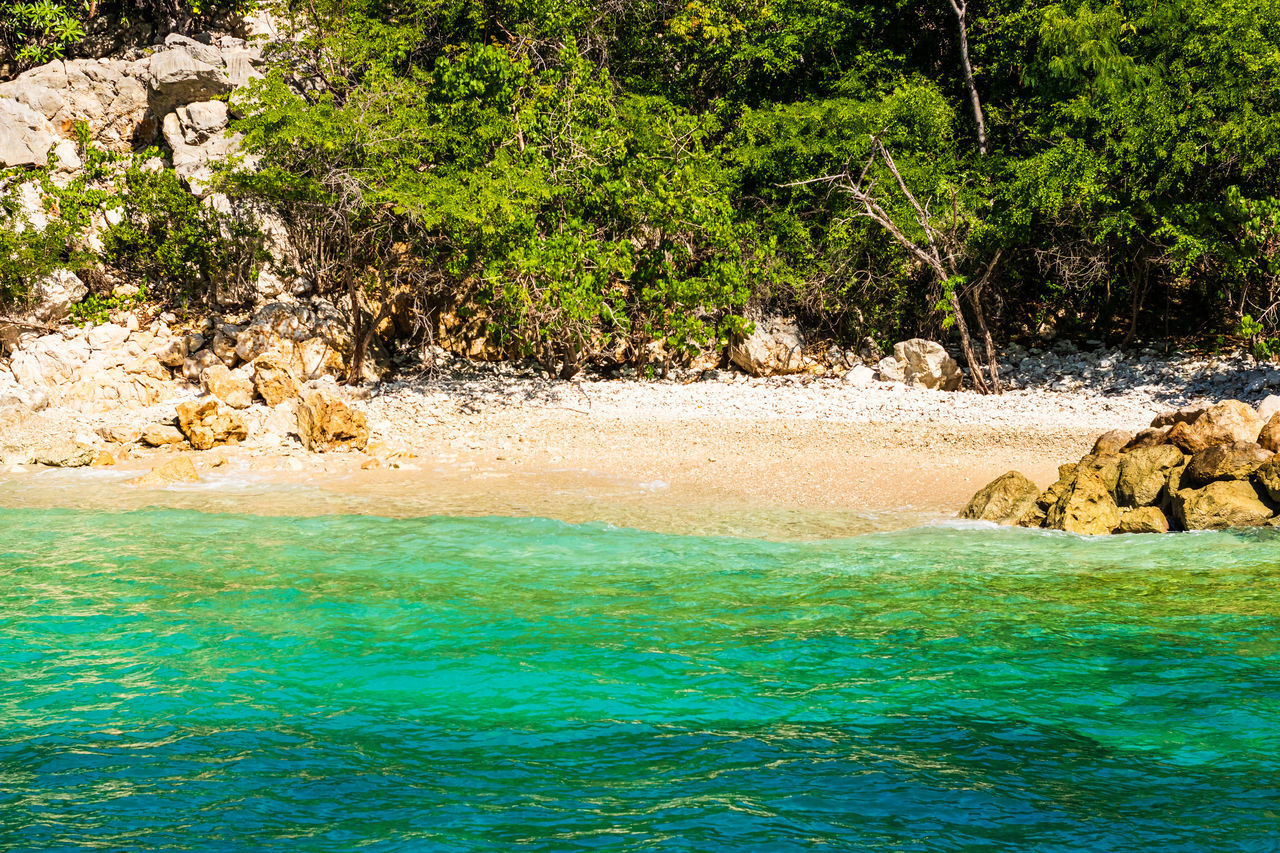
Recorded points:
(1194, 468)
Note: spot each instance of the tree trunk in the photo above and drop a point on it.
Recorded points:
(960, 9)
(975, 369)
(355, 371)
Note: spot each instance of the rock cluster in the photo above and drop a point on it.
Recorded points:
(1196, 468)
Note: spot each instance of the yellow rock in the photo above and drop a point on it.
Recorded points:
(178, 470)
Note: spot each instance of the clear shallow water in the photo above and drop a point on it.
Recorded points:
(184, 681)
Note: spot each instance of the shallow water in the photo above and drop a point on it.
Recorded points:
(186, 681)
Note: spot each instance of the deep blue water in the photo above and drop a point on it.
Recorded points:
(184, 681)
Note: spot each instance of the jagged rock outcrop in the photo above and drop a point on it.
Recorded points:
(274, 379)
(26, 136)
(326, 423)
(774, 347)
(207, 424)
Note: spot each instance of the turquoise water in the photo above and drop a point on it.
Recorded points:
(186, 681)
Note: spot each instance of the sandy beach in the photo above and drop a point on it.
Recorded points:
(775, 457)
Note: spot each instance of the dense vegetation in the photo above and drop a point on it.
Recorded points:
(595, 175)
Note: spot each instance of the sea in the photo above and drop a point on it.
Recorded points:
(188, 680)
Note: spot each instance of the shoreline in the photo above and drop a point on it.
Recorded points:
(774, 459)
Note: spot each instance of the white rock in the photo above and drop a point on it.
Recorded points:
(1269, 406)
(859, 374)
(927, 364)
(25, 135)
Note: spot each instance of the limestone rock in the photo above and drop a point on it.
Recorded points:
(195, 365)
(1004, 500)
(54, 294)
(1110, 443)
(891, 370)
(119, 434)
(274, 379)
(927, 364)
(218, 380)
(174, 353)
(177, 76)
(177, 470)
(1086, 507)
(1106, 467)
(1269, 438)
(1144, 473)
(1219, 505)
(64, 453)
(25, 135)
(859, 374)
(109, 96)
(1269, 407)
(1146, 519)
(207, 424)
(774, 347)
(327, 423)
(161, 435)
(1224, 462)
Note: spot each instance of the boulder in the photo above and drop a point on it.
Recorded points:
(274, 379)
(174, 353)
(1267, 477)
(327, 423)
(1143, 519)
(1086, 507)
(859, 374)
(1223, 423)
(1269, 407)
(1106, 467)
(1219, 505)
(891, 370)
(927, 364)
(53, 295)
(1235, 461)
(218, 380)
(207, 424)
(1111, 443)
(775, 346)
(1051, 495)
(1004, 500)
(1144, 474)
(177, 470)
(1269, 438)
(64, 453)
(25, 135)
(161, 435)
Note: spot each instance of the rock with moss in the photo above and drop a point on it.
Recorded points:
(1004, 500)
